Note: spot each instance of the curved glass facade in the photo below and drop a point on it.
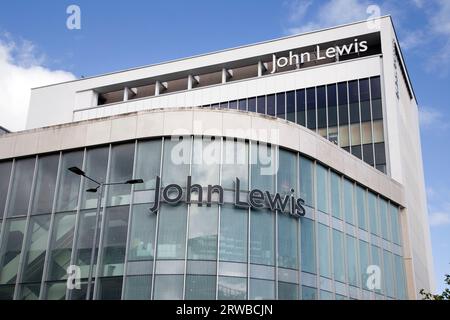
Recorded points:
(187, 251)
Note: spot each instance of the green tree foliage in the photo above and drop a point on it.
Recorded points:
(443, 296)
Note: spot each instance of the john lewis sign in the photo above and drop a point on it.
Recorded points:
(256, 199)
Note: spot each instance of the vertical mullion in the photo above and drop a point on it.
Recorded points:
(218, 219)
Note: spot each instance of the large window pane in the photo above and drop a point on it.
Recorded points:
(114, 241)
(86, 227)
(287, 291)
(352, 261)
(373, 214)
(308, 245)
(168, 287)
(262, 289)
(290, 106)
(343, 103)
(35, 248)
(206, 160)
(263, 167)
(306, 181)
(122, 157)
(383, 207)
(177, 156)
(361, 207)
(262, 237)
(233, 234)
(332, 105)
(142, 234)
(324, 251)
(202, 239)
(45, 184)
(110, 288)
(148, 162)
(95, 167)
(231, 288)
(338, 256)
(287, 241)
(388, 274)
(261, 104)
(301, 107)
(364, 94)
(172, 232)
(353, 98)
(61, 246)
(375, 89)
(348, 202)
(363, 262)
(376, 260)
(235, 164)
(395, 224)
(138, 287)
(287, 172)
(281, 105)
(200, 287)
(56, 291)
(321, 107)
(5, 173)
(400, 278)
(21, 187)
(322, 188)
(69, 183)
(271, 105)
(11, 247)
(309, 293)
(311, 108)
(252, 104)
(336, 195)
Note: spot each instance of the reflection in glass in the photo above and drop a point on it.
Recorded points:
(301, 105)
(69, 183)
(148, 161)
(176, 159)
(5, 173)
(45, 184)
(308, 245)
(363, 262)
(361, 207)
(281, 105)
(168, 287)
(287, 291)
(262, 237)
(21, 187)
(336, 195)
(121, 170)
(110, 288)
(287, 241)
(142, 233)
(83, 248)
(322, 188)
(234, 163)
(232, 288)
(95, 167)
(11, 247)
(311, 108)
(338, 256)
(138, 287)
(348, 202)
(200, 287)
(233, 234)
(263, 166)
(206, 161)
(395, 224)
(202, 238)
(309, 293)
(290, 106)
(306, 181)
(172, 232)
(287, 172)
(262, 289)
(352, 261)
(56, 291)
(324, 251)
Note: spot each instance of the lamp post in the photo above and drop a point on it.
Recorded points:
(100, 185)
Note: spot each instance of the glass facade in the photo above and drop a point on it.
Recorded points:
(349, 114)
(187, 251)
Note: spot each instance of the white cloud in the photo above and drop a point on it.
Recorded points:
(21, 68)
(432, 118)
(413, 39)
(331, 13)
(439, 218)
(440, 18)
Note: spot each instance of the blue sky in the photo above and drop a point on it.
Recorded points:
(36, 48)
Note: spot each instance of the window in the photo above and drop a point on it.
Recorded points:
(148, 163)
(281, 105)
(306, 181)
(21, 187)
(348, 202)
(262, 289)
(287, 172)
(322, 188)
(263, 166)
(11, 248)
(261, 104)
(56, 291)
(271, 105)
(375, 89)
(110, 288)
(202, 238)
(138, 287)
(252, 104)
(69, 183)
(353, 98)
(373, 214)
(110, 97)
(352, 261)
(308, 245)
(388, 273)
(301, 113)
(200, 287)
(380, 157)
(234, 163)
(5, 173)
(395, 224)
(233, 104)
(336, 195)
(400, 278)
(233, 234)
(321, 108)
(324, 251)
(176, 159)
(383, 207)
(172, 232)
(287, 241)
(61, 246)
(45, 184)
(338, 256)
(363, 262)
(343, 103)
(287, 291)
(232, 288)
(83, 248)
(121, 170)
(35, 249)
(311, 108)
(364, 93)
(376, 260)
(309, 293)
(290, 106)
(332, 105)
(206, 160)
(95, 167)
(262, 237)
(142, 233)
(361, 207)
(168, 287)
(114, 241)
(243, 104)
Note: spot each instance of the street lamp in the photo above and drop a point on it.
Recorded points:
(100, 185)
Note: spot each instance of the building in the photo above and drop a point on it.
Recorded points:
(326, 121)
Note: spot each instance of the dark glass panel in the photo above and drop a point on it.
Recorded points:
(21, 187)
(311, 107)
(45, 184)
(368, 153)
(301, 115)
(252, 104)
(5, 174)
(354, 101)
(332, 105)
(243, 104)
(281, 105)
(356, 151)
(290, 106)
(233, 104)
(321, 107)
(271, 105)
(261, 104)
(343, 103)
